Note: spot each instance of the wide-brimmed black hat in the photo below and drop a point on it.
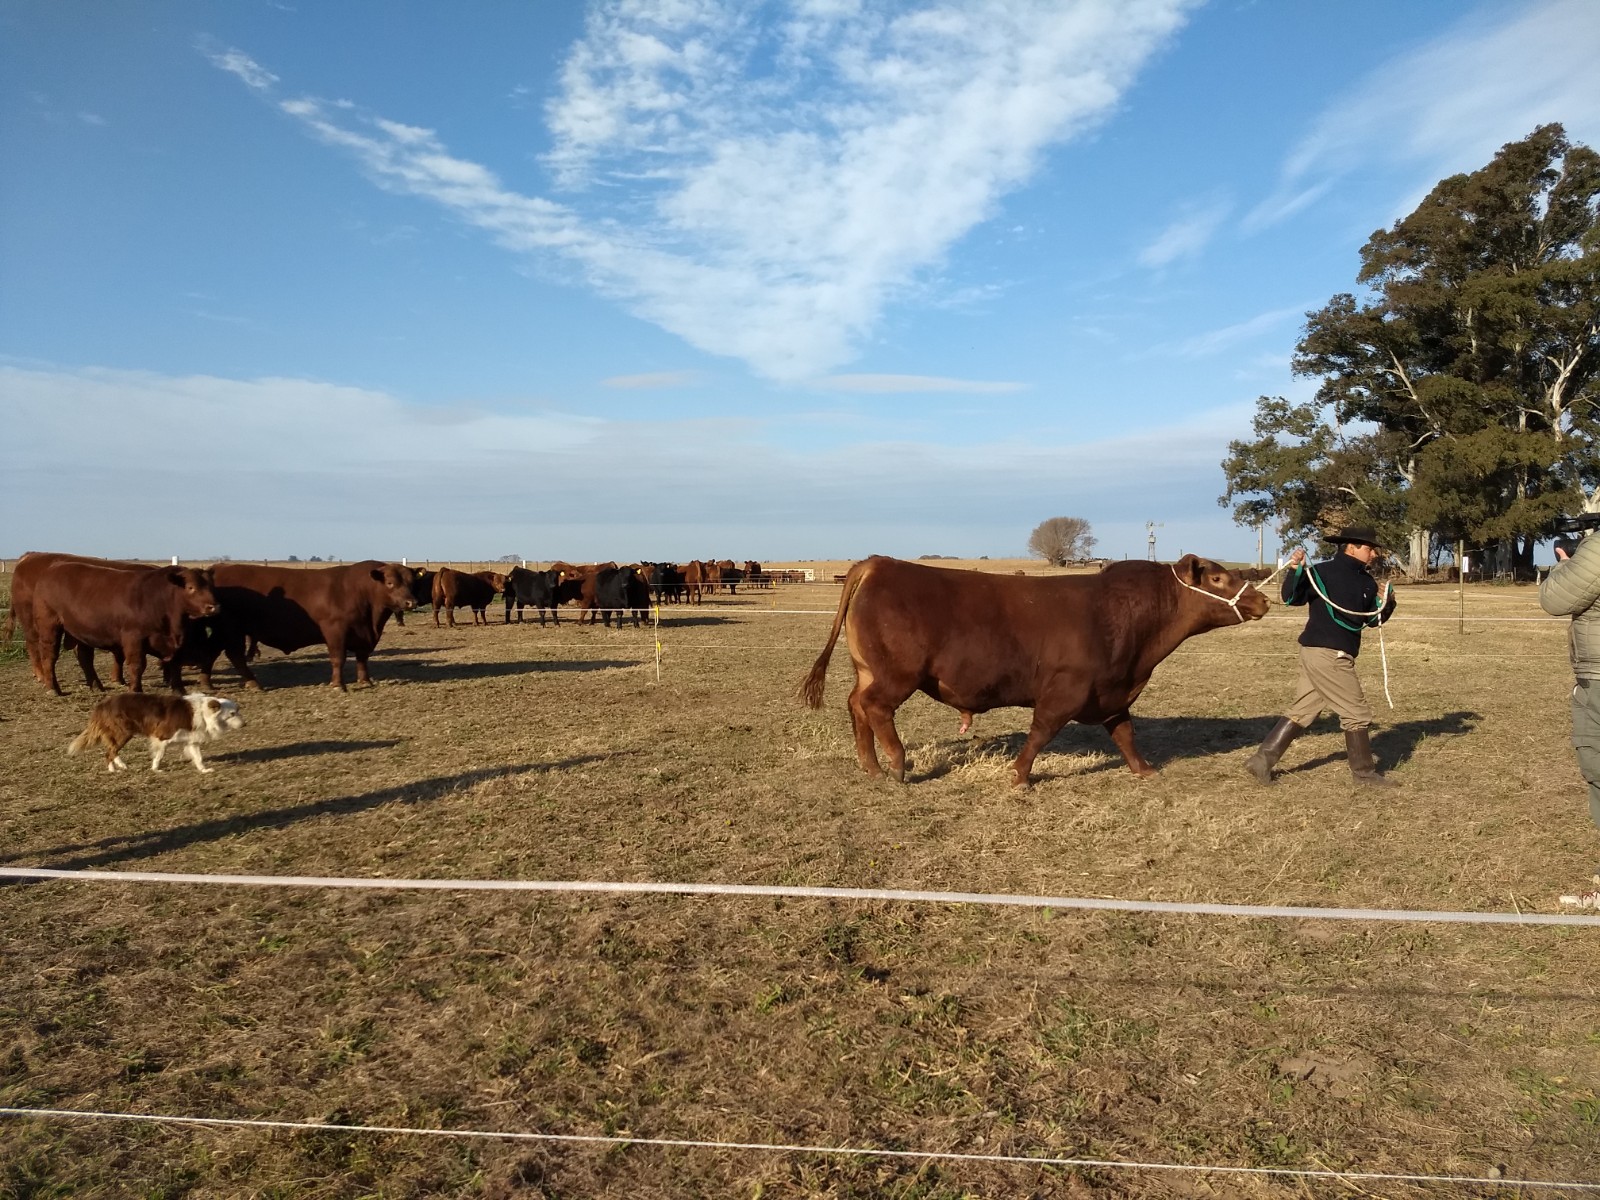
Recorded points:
(1358, 535)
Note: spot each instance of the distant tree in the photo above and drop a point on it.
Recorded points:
(293, 558)
(315, 558)
(509, 558)
(1060, 540)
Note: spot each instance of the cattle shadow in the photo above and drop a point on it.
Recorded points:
(1165, 740)
(308, 672)
(677, 622)
(301, 750)
(135, 846)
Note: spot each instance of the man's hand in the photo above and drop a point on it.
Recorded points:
(1562, 556)
(1298, 557)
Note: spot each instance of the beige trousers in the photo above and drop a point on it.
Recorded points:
(1328, 680)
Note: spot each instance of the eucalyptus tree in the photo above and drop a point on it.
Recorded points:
(1464, 380)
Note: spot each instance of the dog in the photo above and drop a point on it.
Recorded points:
(186, 720)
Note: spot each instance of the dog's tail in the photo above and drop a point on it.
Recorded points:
(96, 734)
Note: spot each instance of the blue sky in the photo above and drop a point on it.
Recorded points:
(698, 278)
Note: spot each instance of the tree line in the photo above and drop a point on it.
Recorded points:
(1457, 394)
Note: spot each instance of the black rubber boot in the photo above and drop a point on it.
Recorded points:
(1363, 763)
(1266, 757)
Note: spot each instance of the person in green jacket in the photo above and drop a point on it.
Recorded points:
(1572, 589)
(1342, 599)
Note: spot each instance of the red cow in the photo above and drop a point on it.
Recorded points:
(112, 608)
(453, 589)
(1073, 648)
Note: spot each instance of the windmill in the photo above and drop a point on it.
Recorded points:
(1150, 528)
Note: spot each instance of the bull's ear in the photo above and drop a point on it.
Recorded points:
(214, 705)
(377, 573)
(1188, 568)
(175, 575)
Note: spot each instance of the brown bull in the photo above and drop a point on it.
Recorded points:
(343, 608)
(123, 608)
(1073, 648)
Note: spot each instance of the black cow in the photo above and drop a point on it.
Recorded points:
(666, 581)
(533, 589)
(619, 592)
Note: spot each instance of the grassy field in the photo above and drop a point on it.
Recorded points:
(530, 752)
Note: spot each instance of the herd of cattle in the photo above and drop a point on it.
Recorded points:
(189, 616)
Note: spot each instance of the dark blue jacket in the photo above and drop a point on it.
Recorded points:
(1345, 581)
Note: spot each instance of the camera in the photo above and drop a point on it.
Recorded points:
(1567, 527)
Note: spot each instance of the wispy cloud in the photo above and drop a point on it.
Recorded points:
(1450, 104)
(882, 384)
(236, 62)
(1215, 341)
(1187, 235)
(656, 379)
(762, 182)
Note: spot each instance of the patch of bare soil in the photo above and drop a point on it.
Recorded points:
(530, 752)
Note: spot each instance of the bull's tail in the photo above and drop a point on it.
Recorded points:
(95, 734)
(811, 689)
(10, 627)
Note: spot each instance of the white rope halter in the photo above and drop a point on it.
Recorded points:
(1232, 603)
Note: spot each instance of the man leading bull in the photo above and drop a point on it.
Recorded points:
(1342, 597)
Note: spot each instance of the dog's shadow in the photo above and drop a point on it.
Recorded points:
(301, 750)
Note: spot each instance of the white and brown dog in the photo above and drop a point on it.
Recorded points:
(186, 720)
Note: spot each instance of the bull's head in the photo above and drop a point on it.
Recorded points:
(1229, 587)
(198, 598)
(397, 582)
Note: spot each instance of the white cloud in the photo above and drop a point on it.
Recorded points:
(236, 62)
(277, 466)
(1188, 234)
(881, 384)
(1450, 104)
(654, 379)
(1215, 341)
(764, 190)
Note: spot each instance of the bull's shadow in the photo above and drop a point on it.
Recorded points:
(1165, 740)
(135, 846)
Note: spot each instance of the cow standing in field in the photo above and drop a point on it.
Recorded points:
(126, 609)
(694, 581)
(343, 608)
(27, 570)
(475, 590)
(533, 589)
(613, 591)
(1074, 648)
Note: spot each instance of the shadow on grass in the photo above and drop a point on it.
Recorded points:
(134, 846)
(301, 750)
(1165, 740)
(311, 672)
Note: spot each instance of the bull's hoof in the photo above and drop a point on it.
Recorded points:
(1147, 772)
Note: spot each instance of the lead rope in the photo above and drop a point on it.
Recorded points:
(1383, 654)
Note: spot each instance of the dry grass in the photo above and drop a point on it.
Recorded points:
(529, 752)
